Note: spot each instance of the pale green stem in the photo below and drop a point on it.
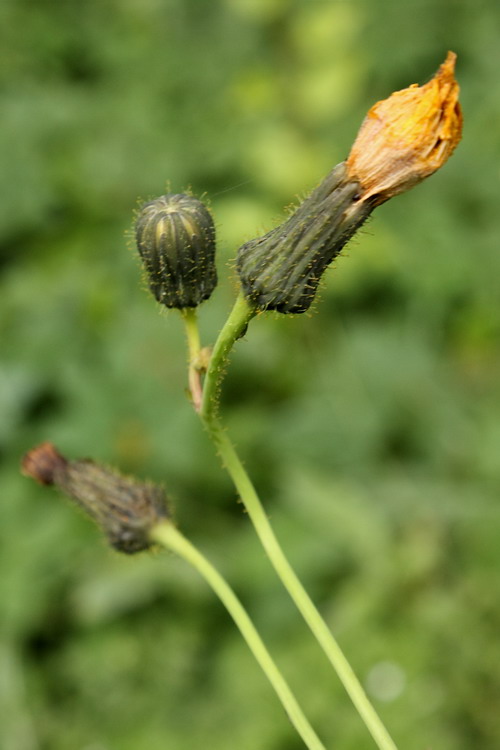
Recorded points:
(167, 535)
(193, 339)
(295, 588)
(235, 326)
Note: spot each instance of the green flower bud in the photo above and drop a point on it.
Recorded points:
(281, 270)
(125, 509)
(176, 240)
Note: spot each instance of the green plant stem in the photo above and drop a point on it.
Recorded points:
(295, 588)
(167, 535)
(193, 338)
(234, 328)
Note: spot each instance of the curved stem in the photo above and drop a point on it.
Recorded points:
(167, 535)
(295, 588)
(234, 328)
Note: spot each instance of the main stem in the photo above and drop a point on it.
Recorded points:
(167, 535)
(233, 329)
(236, 324)
(295, 588)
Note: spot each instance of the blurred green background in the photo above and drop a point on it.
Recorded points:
(372, 426)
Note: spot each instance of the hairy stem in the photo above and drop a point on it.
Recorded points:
(193, 339)
(234, 328)
(167, 535)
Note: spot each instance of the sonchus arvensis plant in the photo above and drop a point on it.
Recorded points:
(403, 139)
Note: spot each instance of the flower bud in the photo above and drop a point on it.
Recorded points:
(281, 270)
(408, 136)
(176, 240)
(402, 140)
(125, 509)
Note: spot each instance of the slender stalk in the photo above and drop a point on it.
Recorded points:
(233, 329)
(193, 339)
(171, 538)
(295, 588)
(235, 325)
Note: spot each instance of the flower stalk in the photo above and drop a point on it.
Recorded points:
(270, 543)
(167, 535)
(234, 328)
(195, 366)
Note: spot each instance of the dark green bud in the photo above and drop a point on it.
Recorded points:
(176, 240)
(124, 508)
(281, 270)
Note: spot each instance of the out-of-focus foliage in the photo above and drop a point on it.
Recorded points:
(372, 427)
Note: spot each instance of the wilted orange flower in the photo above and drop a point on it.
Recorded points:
(408, 136)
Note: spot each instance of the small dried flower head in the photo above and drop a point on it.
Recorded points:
(125, 509)
(176, 240)
(408, 136)
(43, 463)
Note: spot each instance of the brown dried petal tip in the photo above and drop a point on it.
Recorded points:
(42, 463)
(408, 136)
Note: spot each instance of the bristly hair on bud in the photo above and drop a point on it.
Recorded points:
(124, 508)
(281, 270)
(175, 237)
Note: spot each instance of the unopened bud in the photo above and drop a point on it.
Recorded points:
(176, 240)
(125, 509)
(281, 270)
(408, 136)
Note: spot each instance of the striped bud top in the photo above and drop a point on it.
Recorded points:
(175, 237)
